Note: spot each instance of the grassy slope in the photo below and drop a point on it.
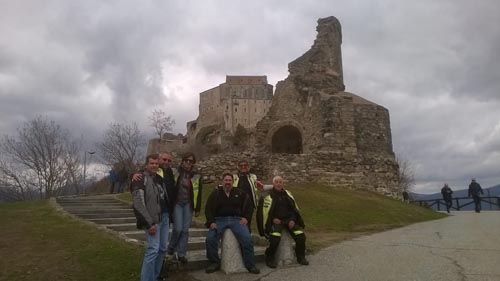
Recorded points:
(37, 243)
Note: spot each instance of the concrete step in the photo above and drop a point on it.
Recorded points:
(88, 200)
(110, 215)
(74, 210)
(131, 219)
(94, 204)
(197, 259)
(194, 243)
(131, 227)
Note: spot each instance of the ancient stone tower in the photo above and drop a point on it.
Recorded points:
(315, 131)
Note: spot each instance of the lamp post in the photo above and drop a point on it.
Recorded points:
(85, 168)
(489, 199)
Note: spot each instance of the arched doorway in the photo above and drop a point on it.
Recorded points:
(287, 139)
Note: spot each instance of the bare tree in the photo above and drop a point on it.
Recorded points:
(37, 159)
(161, 122)
(123, 144)
(406, 174)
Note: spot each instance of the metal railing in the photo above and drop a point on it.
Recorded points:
(458, 202)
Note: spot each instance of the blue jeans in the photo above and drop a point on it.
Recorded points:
(183, 215)
(155, 250)
(240, 231)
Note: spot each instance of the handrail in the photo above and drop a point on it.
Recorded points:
(492, 200)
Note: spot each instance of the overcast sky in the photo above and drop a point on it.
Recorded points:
(434, 64)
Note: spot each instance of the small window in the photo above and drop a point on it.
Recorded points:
(236, 110)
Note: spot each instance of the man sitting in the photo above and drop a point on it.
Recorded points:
(278, 211)
(228, 208)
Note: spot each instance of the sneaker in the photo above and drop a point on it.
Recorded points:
(303, 261)
(182, 260)
(213, 267)
(254, 270)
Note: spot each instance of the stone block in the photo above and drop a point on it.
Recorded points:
(285, 254)
(231, 258)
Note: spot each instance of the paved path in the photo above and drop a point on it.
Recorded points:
(462, 247)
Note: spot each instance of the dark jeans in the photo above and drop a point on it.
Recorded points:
(448, 204)
(477, 203)
(274, 241)
(240, 231)
(250, 221)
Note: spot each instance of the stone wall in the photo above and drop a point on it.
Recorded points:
(217, 164)
(330, 168)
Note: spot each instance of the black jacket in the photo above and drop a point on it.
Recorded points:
(475, 189)
(446, 192)
(195, 201)
(265, 226)
(214, 203)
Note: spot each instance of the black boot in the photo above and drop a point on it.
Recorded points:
(302, 261)
(270, 262)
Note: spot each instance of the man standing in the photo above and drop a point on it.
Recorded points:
(113, 178)
(151, 207)
(228, 208)
(475, 191)
(165, 170)
(406, 197)
(247, 182)
(447, 192)
(278, 211)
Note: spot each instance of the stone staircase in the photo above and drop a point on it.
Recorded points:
(117, 216)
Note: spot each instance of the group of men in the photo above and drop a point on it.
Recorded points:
(164, 195)
(475, 191)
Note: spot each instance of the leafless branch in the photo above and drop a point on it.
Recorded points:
(161, 122)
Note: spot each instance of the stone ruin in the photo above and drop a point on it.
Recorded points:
(314, 131)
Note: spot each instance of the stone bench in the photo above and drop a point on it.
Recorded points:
(231, 258)
(285, 254)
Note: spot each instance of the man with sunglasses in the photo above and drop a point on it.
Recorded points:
(248, 183)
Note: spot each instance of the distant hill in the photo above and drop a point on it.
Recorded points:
(490, 191)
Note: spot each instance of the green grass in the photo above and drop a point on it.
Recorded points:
(37, 243)
(333, 214)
